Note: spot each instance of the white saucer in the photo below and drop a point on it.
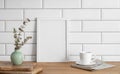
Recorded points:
(78, 62)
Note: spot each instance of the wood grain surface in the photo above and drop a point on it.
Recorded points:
(25, 68)
(8, 66)
(65, 68)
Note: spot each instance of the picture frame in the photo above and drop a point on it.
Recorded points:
(51, 40)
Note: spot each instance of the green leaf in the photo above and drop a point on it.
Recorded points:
(18, 40)
(15, 35)
(21, 30)
(14, 30)
(29, 37)
(28, 19)
(24, 22)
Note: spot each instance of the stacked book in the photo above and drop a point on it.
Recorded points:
(25, 68)
(97, 66)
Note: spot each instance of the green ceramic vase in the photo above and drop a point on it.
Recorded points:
(17, 57)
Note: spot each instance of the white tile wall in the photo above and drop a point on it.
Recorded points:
(94, 25)
(102, 49)
(11, 14)
(33, 40)
(31, 26)
(110, 14)
(30, 58)
(73, 58)
(2, 26)
(74, 25)
(84, 37)
(27, 49)
(43, 13)
(1, 3)
(82, 14)
(4, 58)
(74, 49)
(2, 47)
(101, 4)
(6, 37)
(111, 58)
(62, 3)
(111, 38)
(101, 26)
(77, 58)
(26, 58)
(23, 4)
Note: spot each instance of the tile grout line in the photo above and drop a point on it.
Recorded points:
(98, 55)
(70, 20)
(101, 38)
(95, 43)
(5, 49)
(4, 4)
(66, 41)
(94, 32)
(5, 25)
(25, 44)
(24, 55)
(42, 4)
(61, 13)
(101, 14)
(81, 26)
(82, 47)
(81, 3)
(102, 57)
(23, 14)
(61, 8)
(12, 31)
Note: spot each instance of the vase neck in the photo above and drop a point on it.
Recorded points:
(17, 50)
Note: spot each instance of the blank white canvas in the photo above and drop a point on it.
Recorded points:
(51, 40)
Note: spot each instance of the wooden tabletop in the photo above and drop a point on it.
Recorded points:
(65, 68)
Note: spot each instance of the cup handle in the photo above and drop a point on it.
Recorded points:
(93, 57)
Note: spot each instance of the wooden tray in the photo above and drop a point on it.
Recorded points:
(7, 66)
(25, 68)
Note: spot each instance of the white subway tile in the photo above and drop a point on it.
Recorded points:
(33, 40)
(111, 37)
(42, 13)
(6, 38)
(11, 14)
(27, 49)
(74, 25)
(103, 49)
(1, 3)
(5, 58)
(62, 3)
(111, 58)
(2, 51)
(30, 58)
(100, 3)
(2, 26)
(23, 4)
(110, 14)
(27, 58)
(74, 58)
(84, 37)
(101, 25)
(31, 26)
(74, 49)
(77, 58)
(82, 14)
(98, 57)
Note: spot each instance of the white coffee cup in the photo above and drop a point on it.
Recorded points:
(86, 58)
